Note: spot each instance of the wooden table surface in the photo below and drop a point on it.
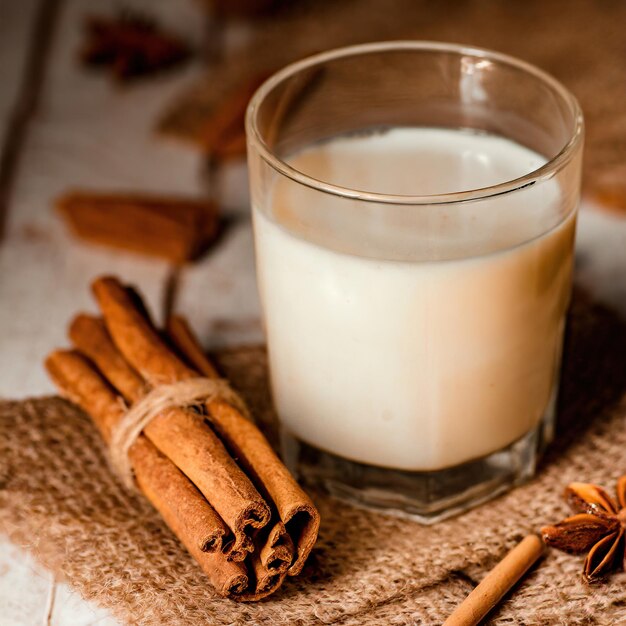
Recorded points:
(61, 126)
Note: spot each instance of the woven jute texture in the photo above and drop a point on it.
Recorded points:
(59, 499)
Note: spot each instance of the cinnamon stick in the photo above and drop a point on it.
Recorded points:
(170, 492)
(497, 582)
(265, 581)
(247, 443)
(238, 527)
(275, 546)
(90, 336)
(225, 124)
(176, 504)
(174, 228)
(180, 434)
(611, 197)
(179, 502)
(180, 335)
(135, 336)
(276, 549)
(231, 148)
(193, 447)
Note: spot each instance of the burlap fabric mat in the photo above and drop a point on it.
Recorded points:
(59, 499)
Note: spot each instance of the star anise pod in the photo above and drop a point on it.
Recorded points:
(130, 45)
(599, 526)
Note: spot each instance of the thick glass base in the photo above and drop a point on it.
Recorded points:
(426, 497)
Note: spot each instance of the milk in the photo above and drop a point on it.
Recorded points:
(406, 337)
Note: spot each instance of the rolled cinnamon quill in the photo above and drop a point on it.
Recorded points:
(230, 149)
(89, 335)
(497, 582)
(206, 468)
(183, 508)
(295, 509)
(223, 133)
(174, 228)
(181, 436)
(275, 547)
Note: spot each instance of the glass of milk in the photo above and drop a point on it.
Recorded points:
(414, 210)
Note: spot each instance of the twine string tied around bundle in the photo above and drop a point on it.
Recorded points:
(185, 394)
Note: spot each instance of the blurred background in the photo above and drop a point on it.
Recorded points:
(138, 107)
(144, 101)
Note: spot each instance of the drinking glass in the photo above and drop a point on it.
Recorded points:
(414, 331)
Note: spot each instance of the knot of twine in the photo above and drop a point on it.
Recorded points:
(193, 392)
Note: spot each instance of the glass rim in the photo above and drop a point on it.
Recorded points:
(545, 172)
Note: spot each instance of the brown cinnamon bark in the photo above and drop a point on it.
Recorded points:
(181, 434)
(185, 439)
(179, 502)
(231, 148)
(295, 508)
(89, 334)
(611, 197)
(265, 582)
(256, 456)
(78, 381)
(245, 541)
(162, 483)
(134, 335)
(226, 122)
(276, 550)
(187, 346)
(174, 228)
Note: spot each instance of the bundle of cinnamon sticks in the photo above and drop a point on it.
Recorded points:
(207, 469)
